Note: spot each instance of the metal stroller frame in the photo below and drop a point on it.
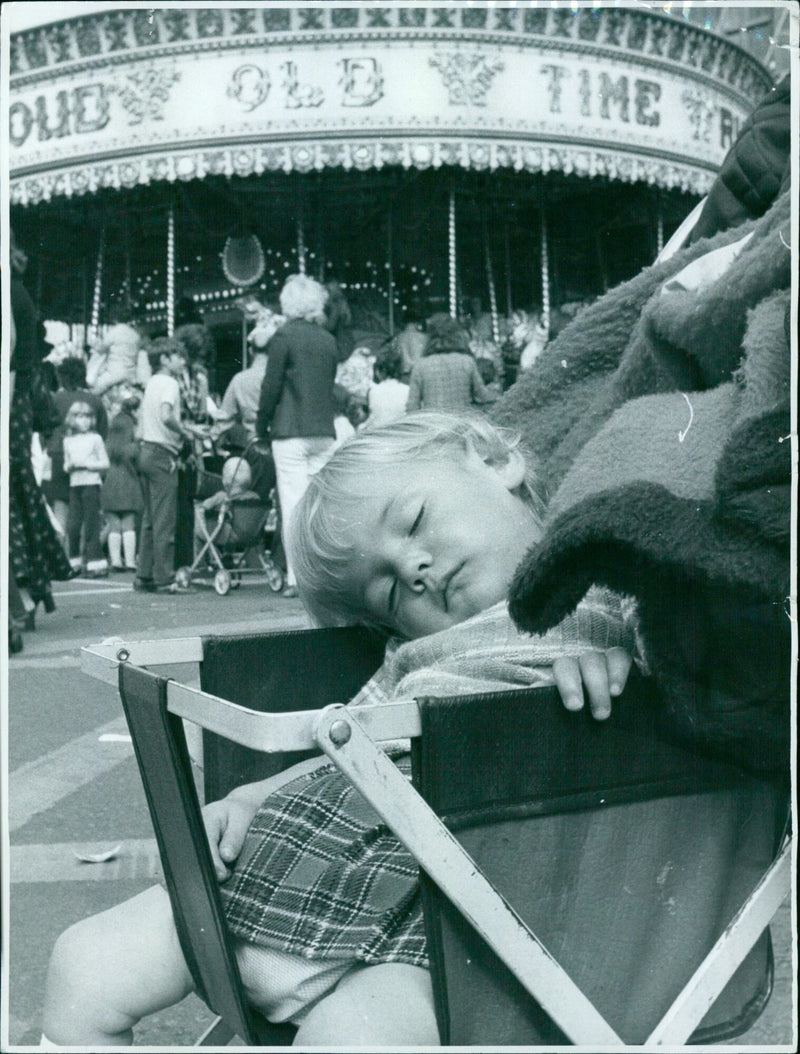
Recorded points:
(227, 560)
(310, 677)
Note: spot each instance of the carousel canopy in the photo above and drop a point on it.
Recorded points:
(124, 98)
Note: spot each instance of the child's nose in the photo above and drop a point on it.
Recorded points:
(415, 567)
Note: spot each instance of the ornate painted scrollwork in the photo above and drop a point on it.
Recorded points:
(476, 154)
(125, 32)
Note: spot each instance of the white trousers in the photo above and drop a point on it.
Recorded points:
(296, 461)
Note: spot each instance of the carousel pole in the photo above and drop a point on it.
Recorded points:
(128, 289)
(451, 253)
(545, 275)
(171, 271)
(659, 226)
(390, 271)
(507, 247)
(84, 303)
(490, 280)
(320, 233)
(98, 283)
(301, 238)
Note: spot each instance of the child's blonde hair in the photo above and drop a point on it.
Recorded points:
(236, 473)
(319, 533)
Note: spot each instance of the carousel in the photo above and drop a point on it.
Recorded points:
(168, 162)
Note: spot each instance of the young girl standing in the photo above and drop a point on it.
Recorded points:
(85, 458)
(122, 491)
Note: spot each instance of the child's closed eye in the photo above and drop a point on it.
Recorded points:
(417, 520)
(391, 602)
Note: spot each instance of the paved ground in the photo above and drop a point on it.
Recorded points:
(74, 789)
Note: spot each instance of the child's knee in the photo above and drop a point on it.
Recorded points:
(77, 992)
(109, 970)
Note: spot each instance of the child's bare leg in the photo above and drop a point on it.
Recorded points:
(109, 971)
(386, 1005)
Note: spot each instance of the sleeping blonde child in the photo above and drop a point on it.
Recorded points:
(416, 528)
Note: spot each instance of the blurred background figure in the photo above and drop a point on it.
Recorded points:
(239, 407)
(162, 434)
(72, 388)
(117, 358)
(388, 396)
(297, 406)
(410, 342)
(197, 412)
(446, 377)
(121, 497)
(198, 343)
(339, 319)
(36, 556)
(236, 417)
(85, 461)
(533, 341)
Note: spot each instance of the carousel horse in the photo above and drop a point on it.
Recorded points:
(529, 335)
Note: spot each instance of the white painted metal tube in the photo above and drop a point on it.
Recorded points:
(101, 661)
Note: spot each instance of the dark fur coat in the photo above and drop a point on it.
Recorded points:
(661, 421)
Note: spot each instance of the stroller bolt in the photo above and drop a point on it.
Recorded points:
(123, 655)
(339, 733)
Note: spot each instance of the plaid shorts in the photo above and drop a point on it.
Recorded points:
(321, 875)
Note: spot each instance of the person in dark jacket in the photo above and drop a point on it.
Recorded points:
(297, 405)
(122, 490)
(756, 169)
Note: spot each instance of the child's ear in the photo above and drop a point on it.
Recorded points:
(512, 471)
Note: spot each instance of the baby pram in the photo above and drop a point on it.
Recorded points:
(648, 873)
(232, 540)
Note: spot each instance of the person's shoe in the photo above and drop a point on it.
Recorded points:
(117, 569)
(173, 587)
(144, 585)
(15, 642)
(95, 574)
(289, 592)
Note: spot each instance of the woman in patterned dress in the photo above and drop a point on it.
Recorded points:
(36, 555)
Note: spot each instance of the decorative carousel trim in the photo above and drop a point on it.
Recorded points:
(79, 43)
(589, 160)
(228, 266)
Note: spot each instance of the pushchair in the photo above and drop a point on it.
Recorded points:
(620, 901)
(234, 538)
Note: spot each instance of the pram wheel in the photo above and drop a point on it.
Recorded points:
(183, 577)
(236, 579)
(274, 578)
(222, 582)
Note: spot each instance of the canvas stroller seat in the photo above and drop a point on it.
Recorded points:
(630, 858)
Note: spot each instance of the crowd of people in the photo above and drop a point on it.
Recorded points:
(125, 427)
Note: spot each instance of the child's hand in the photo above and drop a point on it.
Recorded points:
(226, 823)
(601, 673)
